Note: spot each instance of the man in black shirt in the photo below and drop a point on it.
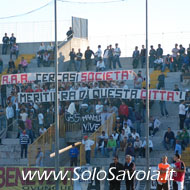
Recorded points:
(72, 55)
(69, 34)
(12, 40)
(115, 184)
(159, 51)
(152, 57)
(143, 56)
(5, 41)
(88, 54)
(3, 95)
(169, 139)
(79, 60)
(129, 169)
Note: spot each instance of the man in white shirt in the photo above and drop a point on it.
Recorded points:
(10, 116)
(40, 118)
(116, 53)
(99, 108)
(134, 134)
(182, 113)
(24, 115)
(175, 52)
(87, 146)
(127, 130)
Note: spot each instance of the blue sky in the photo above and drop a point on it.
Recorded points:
(122, 22)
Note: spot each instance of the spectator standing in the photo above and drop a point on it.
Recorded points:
(1, 65)
(152, 57)
(99, 107)
(24, 140)
(87, 144)
(79, 60)
(29, 130)
(135, 57)
(98, 54)
(169, 139)
(69, 34)
(2, 118)
(105, 57)
(39, 158)
(40, 118)
(3, 95)
(161, 80)
(188, 52)
(116, 53)
(110, 57)
(143, 56)
(73, 153)
(175, 52)
(130, 169)
(72, 55)
(123, 111)
(163, 109)
(159, 51)
(10, 116)
(182, 114)
(5, 41)
(12, 40)
(88, 55)
(116, 168)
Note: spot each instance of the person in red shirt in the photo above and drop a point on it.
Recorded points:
(38, 89)
(29, 89)
(123, 110)
(179, 174)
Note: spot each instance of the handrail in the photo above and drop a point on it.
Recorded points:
(107, 127)
(45, 141)
(65, 40)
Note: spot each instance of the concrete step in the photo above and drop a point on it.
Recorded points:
(9, 141)
(12, 134)
(13, 162)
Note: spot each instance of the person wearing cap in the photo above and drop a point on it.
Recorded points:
(73, 153)
(163, 182)
(24, 141)
(87, 146)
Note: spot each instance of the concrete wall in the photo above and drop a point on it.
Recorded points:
(75, 43)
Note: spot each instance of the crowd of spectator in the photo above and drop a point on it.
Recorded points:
(35, 118)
